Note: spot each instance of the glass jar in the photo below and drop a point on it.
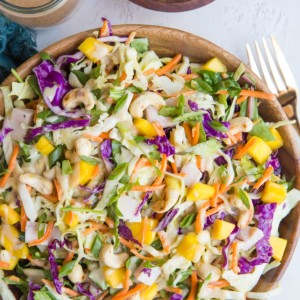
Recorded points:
(37, 13)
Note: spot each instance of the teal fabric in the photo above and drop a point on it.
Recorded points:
(17, 44)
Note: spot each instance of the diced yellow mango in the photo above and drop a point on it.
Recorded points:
(137, 228)
(8, 215)
(44, 146)
(149, 292)
(214, 65)
(114, 277)
(200, 191)
(189, 246)
(71, 219)
(7, 257)
(278, 142)
(260, 151)
(86, 171)
(144, 127)
(273, 193)
(278, 246)
(221, 230)
(94, 49)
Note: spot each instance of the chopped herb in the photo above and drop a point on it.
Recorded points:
(118, 171)
(82, 77)
(41, 225)
(45, 114)
(140, 44)
(32, 80)
(96, 247)
(90, 160)
(188, 220)
(218, 126)
(262, 131)
(157, 245)
(244, 197)
(66, 269)
(96, 72)
(97, 93)
(79, 209)
(56, 155)
(121, 102)
(66, 167)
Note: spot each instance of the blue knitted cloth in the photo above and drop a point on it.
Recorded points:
(17, 44)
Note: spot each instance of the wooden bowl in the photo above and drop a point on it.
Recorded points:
(172, 5)
(167, 41)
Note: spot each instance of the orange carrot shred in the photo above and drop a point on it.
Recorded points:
(200, 214)
(144, 229)
(198, 162)
(139, 164)
(109, 222)
(250, 93)
(53, 198)
(214, 210)
(4, 264)
(68, 257)
(137, 254)
(174, 167)
(105, 135)
(241, 152)
(222, 283)
(169, 66)
(130, 293)
(188, 77)
(149, 72)
(213, 200)
(126, 284)
(266, 175)
(196, 134)
(129, 244)
(130, 38)
(46, 235)
(159, 130)
(164, 242)
(58, 189)
(23, 219)
(103, 295)
(11, 165)
(234, 262)
(193, 289)
(95, 172)
(188, 132)
(241, 99)
(123, 76)
(147, 188)
(223, 188)
(174, 290)
(163, 167)
(93, 138)
(186, 93)
(104, 31)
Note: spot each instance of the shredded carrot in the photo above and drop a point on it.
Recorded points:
(214, 210)
(103, 295)
(93, 138)
(4, 264)
(23, 219)
(234, 262)
(159, 130)
(188, 77)
(223, 188)
(250, 93)
(196, 134)
(174, 290)
(11, 165)
(241, 152)
(231, 137)
(164, 242)
(130, 38)
(130, 293)
(144, 229)
(105, 135)
(129, 244)
(241, 99)
(69, 257)
(169, 66)
(46, 235)
(139, 164)
(65, 289)
(123, 76)
(200, 214)
(263, 178)
(53, 198)
(174, 167)
(222, 283)
(126, 285)
(193, 289)
(14, 278)
(214, 198)
(163, 167)
(147, 188)
(94, 227)
(32, 104)
(188, 132)
(109, 222)
(149, 72)
(238, 136)
(137, 254)
(104, 31)
(186, 93)
(198, 162)
(58, 189)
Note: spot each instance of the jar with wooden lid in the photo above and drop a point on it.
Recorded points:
(38, 13)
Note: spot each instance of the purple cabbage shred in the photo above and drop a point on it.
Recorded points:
(163, 145)
(225, 249)
(126, 233)
(109, 26)
(147, 271)
(221, 160)
(211, 219)
(176, 297)
(97, 189)
(166, 219)
(143, 202)
(32, 287)
(275, 163)
(84, 290)
(211, 132)
(106, 153)
(4, 132)
(193, 105)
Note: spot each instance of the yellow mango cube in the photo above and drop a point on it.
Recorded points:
(200, 191)
(189, 246)
(86, 171)
(214, 65)
(260, 151)
(44, 146)
(144, 127)
(7, 258)
(8, 215)
(137, 228)
(149, 292)
(71, 219)
(273, 193)
(114, 277)
(94, 49)
(278, 142)
(278, 246)
(221, 230)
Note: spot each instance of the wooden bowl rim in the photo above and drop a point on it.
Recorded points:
(70, 44)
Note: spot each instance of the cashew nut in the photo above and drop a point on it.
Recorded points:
(110, 259)
(77, 274)
(79, 96)
(172, 193)
(240, 124)
(144, 100)
(38, 182)
(83, 146)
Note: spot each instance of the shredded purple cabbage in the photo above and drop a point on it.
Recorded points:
(225, 249)
(221, 160)
(275, 163)
(4, 132)
(165, 221)
(109, 26)
(176, 297)
(106, 153)
(32, 133)
(143, 202)
(53, 264)
(193, 105)
(69, 59)
(97, 189)
(126, 233)
(211, 219)
(162, 144)
(211, 132)
(32, 287)
(189, 70)
(264, 215)
(83, 289)
(147, 271)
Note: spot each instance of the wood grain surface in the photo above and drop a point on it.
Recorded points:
(167, 41)
(172, 5)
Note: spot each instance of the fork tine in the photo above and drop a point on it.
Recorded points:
(265, 70)
(274, 70)
(252, 62)
(284, 67)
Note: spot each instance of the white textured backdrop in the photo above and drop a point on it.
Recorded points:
(227, 23)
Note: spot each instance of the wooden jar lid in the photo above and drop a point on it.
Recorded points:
(172, 5)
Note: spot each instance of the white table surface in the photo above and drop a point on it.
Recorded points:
(228, 23)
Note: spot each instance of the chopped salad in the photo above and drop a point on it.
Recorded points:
(126, 175)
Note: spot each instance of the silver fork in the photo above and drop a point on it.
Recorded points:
(280, 80)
